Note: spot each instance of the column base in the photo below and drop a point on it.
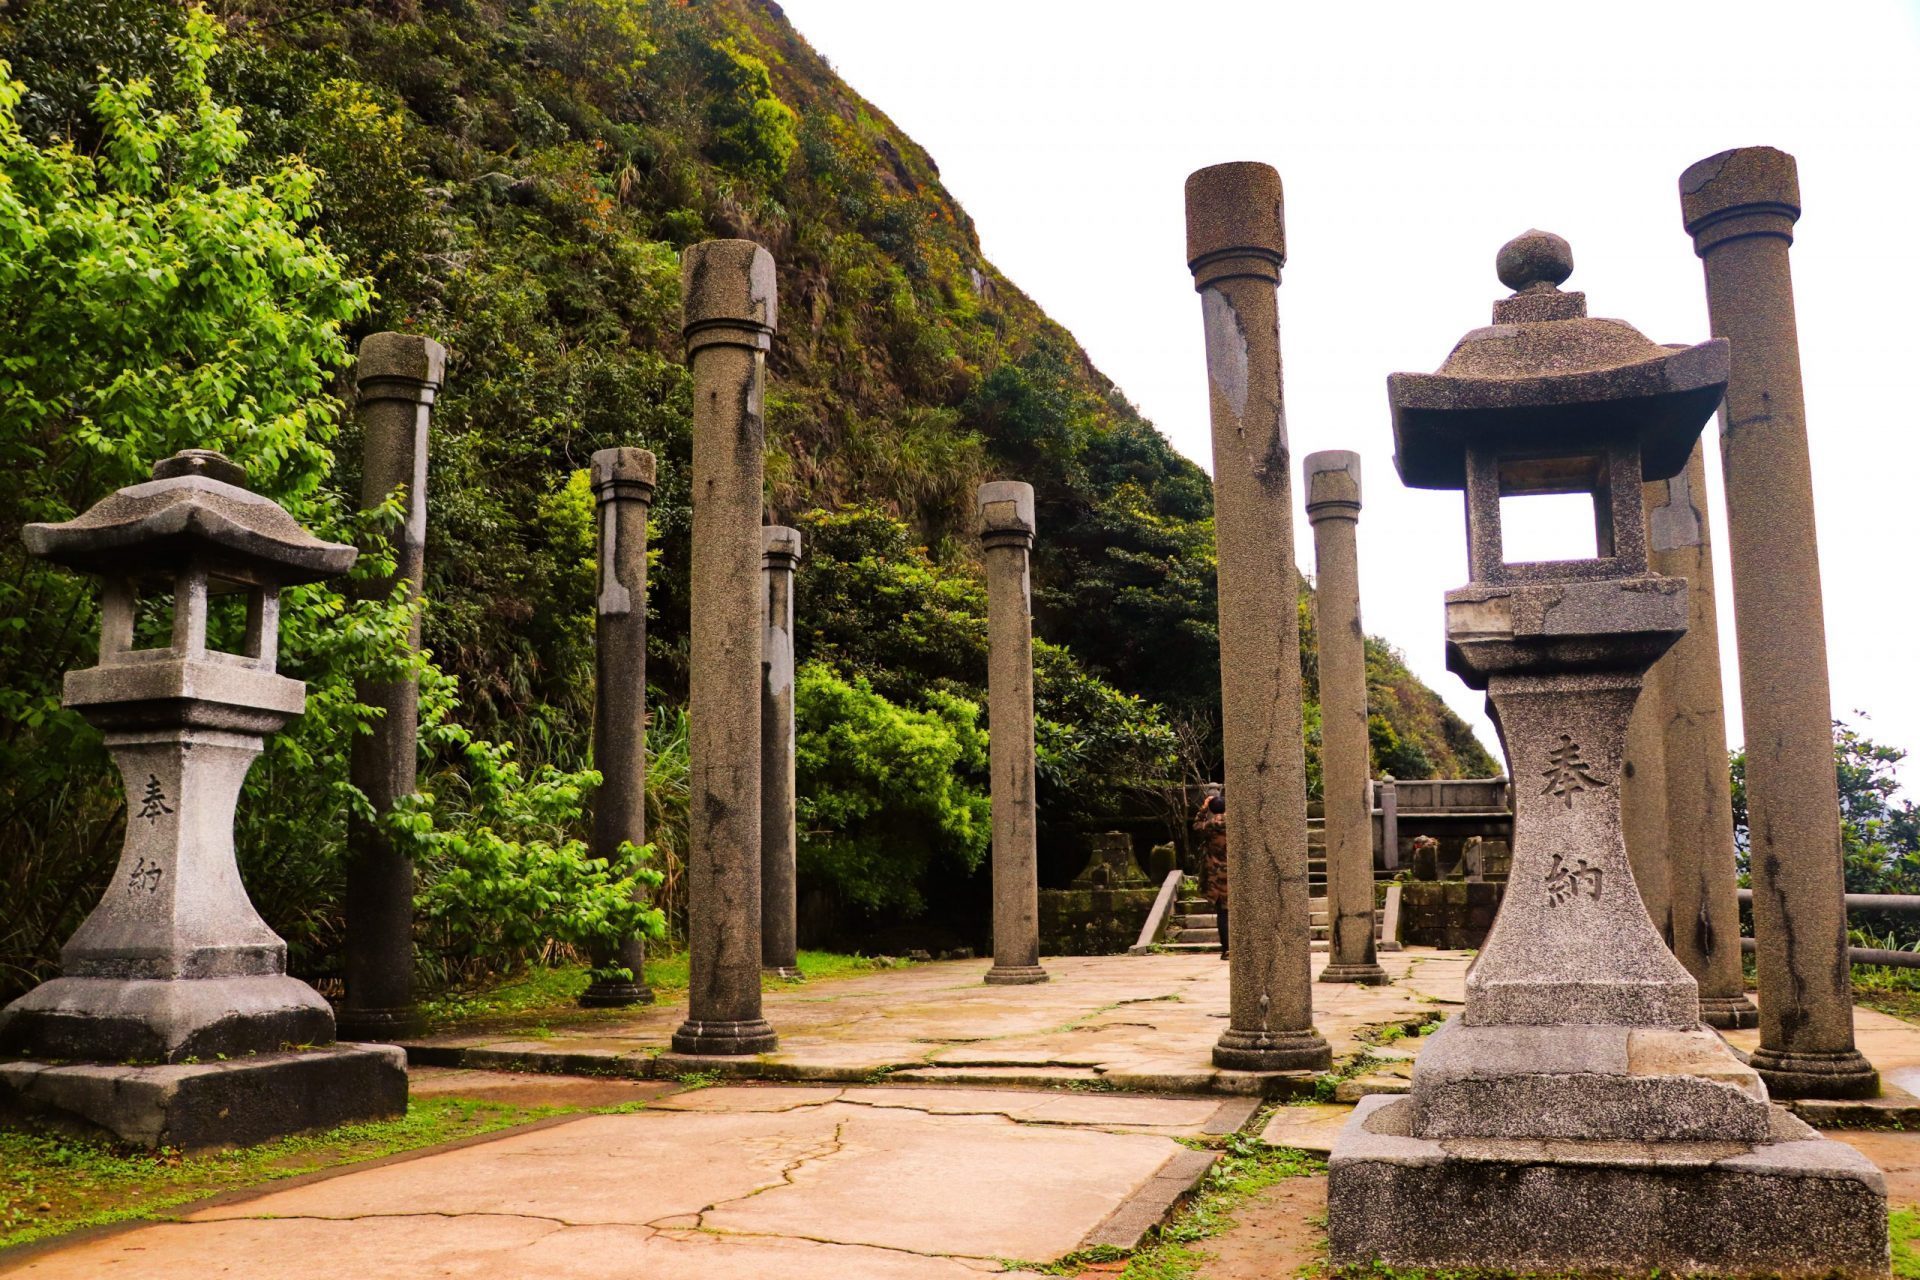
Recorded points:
(784, 972)
(377, 1026)
(1787, 1074)
(1272, 1051)
(1370, 974)
(1016, 975)
(1728, 1013)
(727, 1039)
(615, 995)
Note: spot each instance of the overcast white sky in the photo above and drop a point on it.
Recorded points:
(1414, 139)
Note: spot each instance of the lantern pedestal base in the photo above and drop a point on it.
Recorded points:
(1609, 1206)
(195, 1106)
(164, 1020)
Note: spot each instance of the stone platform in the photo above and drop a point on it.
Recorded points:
(1797, 1205)
(1138, 1023)
(195, 1106)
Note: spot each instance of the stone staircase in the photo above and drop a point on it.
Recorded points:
(1194, 927)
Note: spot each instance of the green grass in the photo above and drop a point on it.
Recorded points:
(537, 1001)
(55, 1183)
(1246, 1167)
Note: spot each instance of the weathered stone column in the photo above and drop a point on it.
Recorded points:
(779, 843)
(1236, 244)
(1740, 207)
(1699, 831)
(1007, 531)
(727, 293)
(1333, 505)
(1643, 804)
(623, 494)
(398, 376)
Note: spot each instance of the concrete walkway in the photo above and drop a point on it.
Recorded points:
(1142, 1023)
(750, 1181)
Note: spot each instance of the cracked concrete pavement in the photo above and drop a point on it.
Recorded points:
(1144, 1023)
(794, 1181)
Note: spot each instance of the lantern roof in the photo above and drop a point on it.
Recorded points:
(195, 510)
(1545, 378)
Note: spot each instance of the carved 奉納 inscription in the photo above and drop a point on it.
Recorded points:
(1565, 880)
(154, 803)
(146, 875)
(1566, 773)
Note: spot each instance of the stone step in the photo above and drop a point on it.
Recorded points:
(1191, 948)
(1207, 921)
(1194, 904)
(1197, 935)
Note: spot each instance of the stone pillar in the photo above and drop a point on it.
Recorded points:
(779, 902)
(1333, 505)
(1007, 530)
(1236, 244)
(1643, 804)
(1740, 207)
(623, 493)
(727, 293)
(398, 376)
(1699, 831)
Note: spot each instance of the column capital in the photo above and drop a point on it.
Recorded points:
(780, 547)
(1749, 191)
(1333, 485)
(728, 295)
(1236, 223)
(623, 474)
(1006, 513)
(399, 366)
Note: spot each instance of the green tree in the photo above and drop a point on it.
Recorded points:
(885, 791)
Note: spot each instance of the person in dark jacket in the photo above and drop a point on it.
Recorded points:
(1211, 824)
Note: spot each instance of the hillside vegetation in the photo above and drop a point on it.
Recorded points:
(516, 179)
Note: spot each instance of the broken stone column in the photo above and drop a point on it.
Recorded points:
(174, 1022)
(727, 293)
(398, 376)
(1007, 532)
(1333, 507)
(1236, 245)
(1643, 806)
(1740, 207)
(1575, 1116)
(1699, 831)
(623, 495)
(779, 837)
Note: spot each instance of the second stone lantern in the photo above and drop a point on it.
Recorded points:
(1575, 1115)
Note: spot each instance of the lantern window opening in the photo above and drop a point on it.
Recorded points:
(1554, 508)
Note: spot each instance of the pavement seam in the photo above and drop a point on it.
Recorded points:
(787, 1172)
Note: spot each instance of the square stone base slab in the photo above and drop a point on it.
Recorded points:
(1800, 1206)
(195, 1106)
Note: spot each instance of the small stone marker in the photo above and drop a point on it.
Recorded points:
(1701, 873)
(779, 836)
(1236, 245)
(1740, 207)
(398, 377)
(623, 495)
(1575, 1116)
(727, 291)
(1333, 506)
(174, 981)
(1007, 532)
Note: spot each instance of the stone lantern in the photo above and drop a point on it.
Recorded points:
(1576, 1114)
(174, 978)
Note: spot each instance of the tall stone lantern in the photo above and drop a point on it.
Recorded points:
(1576, 1115)
(174, 1020)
